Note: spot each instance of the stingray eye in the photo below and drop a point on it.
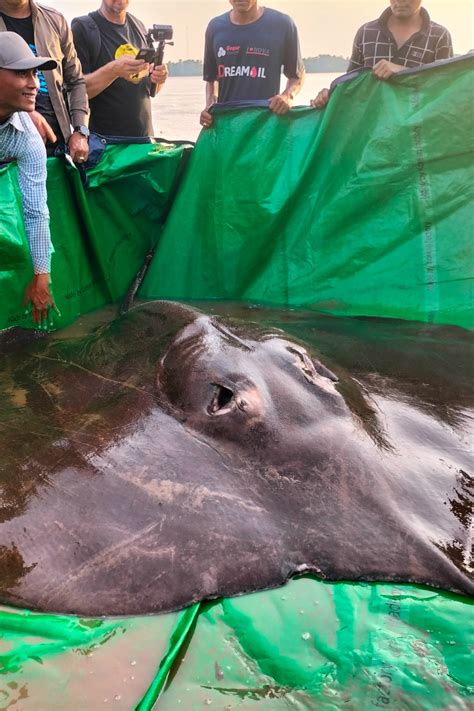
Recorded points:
(325, 372)
(311, 367)
(222, 400)
(303, 362)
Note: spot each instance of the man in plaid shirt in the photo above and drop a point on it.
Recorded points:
(403, 36)
(20, 141)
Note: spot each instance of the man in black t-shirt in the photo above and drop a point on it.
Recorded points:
(118, 85)
(245, 51)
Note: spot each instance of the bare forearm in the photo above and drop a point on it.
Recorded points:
(294, 86)
(211, 93)
(99, 80)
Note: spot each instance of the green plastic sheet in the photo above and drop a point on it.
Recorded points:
(364, 208)
(308, 645)
(100, 234)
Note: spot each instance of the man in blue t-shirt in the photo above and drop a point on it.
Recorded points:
(244, 54)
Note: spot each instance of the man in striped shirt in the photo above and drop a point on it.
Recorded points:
(403, 36)
(20, 141)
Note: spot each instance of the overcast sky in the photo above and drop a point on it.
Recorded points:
(325, 26)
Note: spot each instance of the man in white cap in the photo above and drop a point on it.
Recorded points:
(20, 141)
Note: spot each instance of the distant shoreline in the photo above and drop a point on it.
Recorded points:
(322, 64)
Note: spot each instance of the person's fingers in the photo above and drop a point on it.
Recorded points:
(79, 155)
(206, 119)
(317, 103)
(50, 134)
(158, 78)
(279, 107)
(136, 64)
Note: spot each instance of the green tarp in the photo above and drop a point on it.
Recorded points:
(361, 209)
(309, 645)
(100, 235)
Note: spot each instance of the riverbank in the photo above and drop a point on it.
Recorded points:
(323, 63)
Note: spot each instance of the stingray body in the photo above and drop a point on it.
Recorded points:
(172, 456)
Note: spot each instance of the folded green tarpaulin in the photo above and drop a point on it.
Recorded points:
(100, 234)
(365, 208)
(362, 209)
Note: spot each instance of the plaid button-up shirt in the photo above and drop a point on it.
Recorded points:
(20, 141)
(374, 42)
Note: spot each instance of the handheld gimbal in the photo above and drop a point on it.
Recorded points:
(157, 37)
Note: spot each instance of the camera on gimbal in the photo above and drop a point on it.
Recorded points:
(157, 37)
(159, 33)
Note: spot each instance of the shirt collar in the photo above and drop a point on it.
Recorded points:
(384, 17)
(15, 121)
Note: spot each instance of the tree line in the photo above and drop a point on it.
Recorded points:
(321, 63)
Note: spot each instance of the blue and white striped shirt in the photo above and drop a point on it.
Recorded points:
(20, 141)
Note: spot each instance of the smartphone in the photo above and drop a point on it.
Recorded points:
(145, 54)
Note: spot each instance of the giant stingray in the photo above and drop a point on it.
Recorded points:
(171, 456)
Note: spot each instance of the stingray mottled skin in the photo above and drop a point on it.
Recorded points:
(172, 456)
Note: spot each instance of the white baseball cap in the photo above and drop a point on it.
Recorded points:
(16, 55)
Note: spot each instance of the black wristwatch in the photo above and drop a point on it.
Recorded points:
(83, 130)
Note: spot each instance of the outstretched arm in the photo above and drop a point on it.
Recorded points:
(31, 161)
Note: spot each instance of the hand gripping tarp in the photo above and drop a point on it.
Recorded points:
(364, 208)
